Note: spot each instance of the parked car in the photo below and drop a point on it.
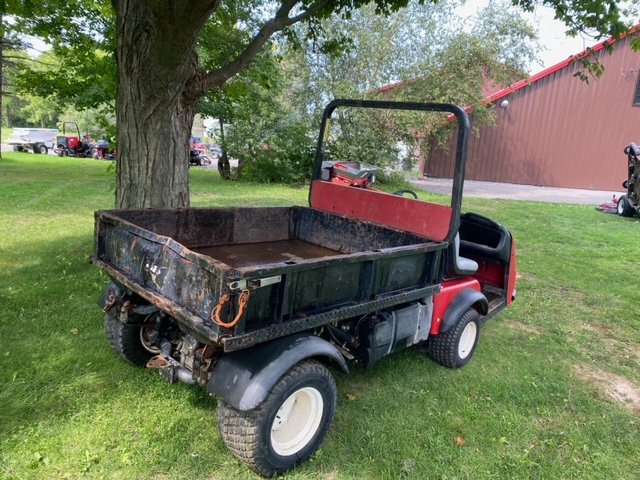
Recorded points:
(36, 140)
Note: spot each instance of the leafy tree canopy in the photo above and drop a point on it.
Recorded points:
(82, 34)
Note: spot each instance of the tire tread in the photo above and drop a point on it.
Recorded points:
(443, 348)
(627, 209)
(240, 430)
(125, 341)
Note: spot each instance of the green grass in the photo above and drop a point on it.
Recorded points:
(523, 408)
(6, 133)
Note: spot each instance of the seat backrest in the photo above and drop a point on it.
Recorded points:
(461, 265)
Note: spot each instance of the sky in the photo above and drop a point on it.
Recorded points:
(556, 45)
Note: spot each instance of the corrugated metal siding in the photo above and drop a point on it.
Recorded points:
(559, 131)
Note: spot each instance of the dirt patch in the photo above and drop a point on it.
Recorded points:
(523, 326)
(331, 475)
(527, 277)
(618, 348)
(599, 328)
(614, 386)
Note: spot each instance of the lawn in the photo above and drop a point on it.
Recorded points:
(6, 133)
(553, 392)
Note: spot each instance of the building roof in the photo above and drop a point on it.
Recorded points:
(520, 84)
(557, 67)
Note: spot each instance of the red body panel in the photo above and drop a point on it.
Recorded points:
(73, 142)
(340, 180)
(422, 218)
(491, 273)
(442, 300)
(200, 147)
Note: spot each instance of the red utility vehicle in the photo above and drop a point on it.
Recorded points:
(255, 303)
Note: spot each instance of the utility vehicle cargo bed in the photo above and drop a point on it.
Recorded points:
(302, 267)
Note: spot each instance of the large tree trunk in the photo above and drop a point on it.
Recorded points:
(1, 73)
(156, 106)
(159, 85)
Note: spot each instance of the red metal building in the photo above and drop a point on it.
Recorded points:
(554, 129)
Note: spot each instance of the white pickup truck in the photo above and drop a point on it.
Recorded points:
(37, 140)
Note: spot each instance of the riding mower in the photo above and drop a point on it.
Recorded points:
(629, 204)
(70, 145)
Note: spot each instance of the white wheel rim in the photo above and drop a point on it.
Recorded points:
(620, 206)
(467, 340)
(297, 421)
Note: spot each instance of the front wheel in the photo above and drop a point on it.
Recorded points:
(624, 208)
(455, 347)
(288, 427)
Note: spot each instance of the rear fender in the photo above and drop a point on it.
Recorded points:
(460, 304)
(243, 379)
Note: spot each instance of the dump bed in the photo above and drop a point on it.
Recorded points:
(300, 268)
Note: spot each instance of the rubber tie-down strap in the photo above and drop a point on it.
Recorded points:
(243, 299)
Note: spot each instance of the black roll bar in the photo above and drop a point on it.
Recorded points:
(461, 143)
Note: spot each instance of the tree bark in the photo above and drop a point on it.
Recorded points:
(156, 105)
(159, 85)
(1, 73)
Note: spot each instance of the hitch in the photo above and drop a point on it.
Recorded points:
(171, 370)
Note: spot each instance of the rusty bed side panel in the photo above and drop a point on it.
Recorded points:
(206, 227)
(365, 263)
(245, 340)
(161, 265)
(190, 322)
(348, 235)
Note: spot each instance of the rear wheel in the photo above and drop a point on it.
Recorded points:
(131, 342)
(624, 208)
(288, 427)
(455, 347)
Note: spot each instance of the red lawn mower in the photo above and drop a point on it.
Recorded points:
(72, 145)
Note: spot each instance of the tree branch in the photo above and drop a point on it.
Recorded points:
(280, 21)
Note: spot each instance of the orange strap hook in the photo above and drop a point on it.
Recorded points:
(243, 299)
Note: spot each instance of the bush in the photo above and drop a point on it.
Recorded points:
(283, 153)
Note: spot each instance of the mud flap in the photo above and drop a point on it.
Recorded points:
(243, 379)
(463, 302)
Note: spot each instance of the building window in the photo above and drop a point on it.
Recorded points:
(636, 99)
